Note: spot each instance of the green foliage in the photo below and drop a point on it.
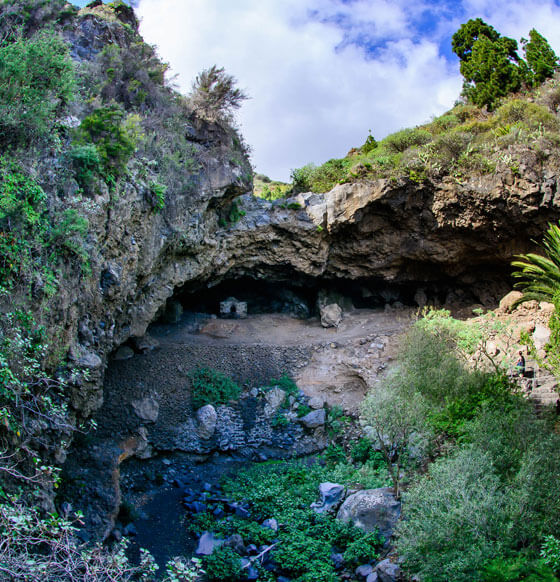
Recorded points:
(114, 134)
(305, 539)
(541, 59)
(311, 178)
(406, 138)
(454, 520)
(285, 383)
(369, 145)
(86, 162)
(362, 450)
(157, 195)
(517, 569)
(223, 564)
(491, 67)
(214, 95)
(550, 552)
(362, 550)
(540, 275)
(212, 387)
(36, 82)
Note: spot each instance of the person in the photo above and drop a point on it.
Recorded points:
(520, 365)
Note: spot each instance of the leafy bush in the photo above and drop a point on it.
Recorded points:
(36, 82)
(454, 520)
(86, 161)
(223, 564)
(285, 490)
(212, 387)
(406, 138)
(517, 569)
(286, 383)
(363, 550)
(550, 552)
(214, 95)
(115, 136)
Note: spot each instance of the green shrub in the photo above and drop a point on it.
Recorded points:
(550, 552)
(286, 383)
(363, 550)
(223, 564)
(453, 521)
(517, 569)
(115, 136)
(333, 455)
(86, 161)
(212, 387)
(406, 138)
(36, 82)
(362, 450)
(157, 195)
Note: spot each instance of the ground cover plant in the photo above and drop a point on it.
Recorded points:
(305, 540)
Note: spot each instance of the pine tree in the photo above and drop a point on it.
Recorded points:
(541, 59)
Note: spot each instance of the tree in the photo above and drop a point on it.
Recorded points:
(463, 40)
(214, 95)
(396, 416)
(541, 59)
(488, 62)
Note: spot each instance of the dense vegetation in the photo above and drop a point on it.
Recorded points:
(487, 505)
(305, 540)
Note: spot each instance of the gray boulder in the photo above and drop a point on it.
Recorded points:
(364, 571)
(373, 577)
(271, 523)
(331, 315)
(372, 509)
(331, 497)
(123, 353)
(207, 543)
(388, 571)
(314, 419)
(273, 400)
(207, 418)
(146, 409)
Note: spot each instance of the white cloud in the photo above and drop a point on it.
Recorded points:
(314, 94)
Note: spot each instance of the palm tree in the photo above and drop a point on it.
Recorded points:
(540, 275)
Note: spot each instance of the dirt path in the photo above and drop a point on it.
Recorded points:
(344, 361)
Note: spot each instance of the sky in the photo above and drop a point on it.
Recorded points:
(321, 74)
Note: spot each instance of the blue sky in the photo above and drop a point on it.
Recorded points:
(321, 73)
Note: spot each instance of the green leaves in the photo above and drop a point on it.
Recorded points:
(36, 82)
(491, 66)
(540, 275)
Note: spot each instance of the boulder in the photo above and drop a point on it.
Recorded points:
(145, 344)
(123, 353)
(373, 577)
(314, 419)
(207, 418)
(388, 571)
(207, 543)
(372, 509)
(271, 523)
(316, 402)
(506, 303)
(273, 400)
(364, 571)
(331, 315)
(146, 409)
(541, 336)
(331, 497)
